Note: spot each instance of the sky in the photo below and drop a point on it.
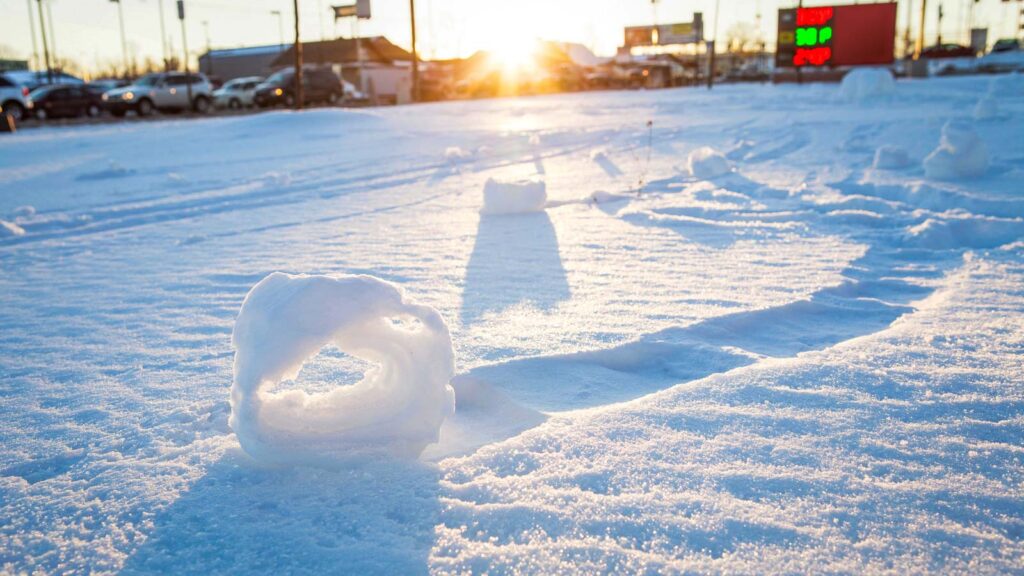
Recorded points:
(87, 31)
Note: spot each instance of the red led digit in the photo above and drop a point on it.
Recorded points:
(813, 16)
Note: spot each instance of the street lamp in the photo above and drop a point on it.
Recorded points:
(280, 26)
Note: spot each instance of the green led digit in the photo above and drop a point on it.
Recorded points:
(825, 34)
(807, 36)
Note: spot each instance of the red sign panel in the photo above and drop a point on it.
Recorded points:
(858, 34)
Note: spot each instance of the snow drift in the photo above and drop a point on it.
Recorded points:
(706, 162)
(961, 153)
(396, 408)
(866, 84)
(889, 157)
(514, 196)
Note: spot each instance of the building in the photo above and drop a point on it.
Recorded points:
(384, 73)
(239, 62)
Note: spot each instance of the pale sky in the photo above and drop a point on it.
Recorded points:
(87, 30)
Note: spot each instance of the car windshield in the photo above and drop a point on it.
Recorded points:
(39, 93)
(280, 77)
(148, 80)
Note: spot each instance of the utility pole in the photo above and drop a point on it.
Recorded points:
(711, 55)
(53, 36)
(415, 59)
(919, 45)
(938, 41)
(184, 46)
(32, 32)
(209, 55)
(124, 41)
(163, 36)
(46, 50)
(280, 27)
(298, 59)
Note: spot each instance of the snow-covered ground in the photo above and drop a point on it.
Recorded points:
(789, 352)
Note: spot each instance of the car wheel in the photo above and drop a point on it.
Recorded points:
(235, 104)
(41, 114)
(333, 98)
(201, 105)
(14, 110)
(289, 100)
(92, 111)
(145, 107)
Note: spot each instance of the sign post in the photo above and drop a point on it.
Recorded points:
(184, 45)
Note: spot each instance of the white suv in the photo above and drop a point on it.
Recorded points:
(163, 91)
(14, 99)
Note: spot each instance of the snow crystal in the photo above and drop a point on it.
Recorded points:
(706, 163)
(890, 157)
(8, 229)
(961, 153)
(865, 84)
(514, 196)
(396, 408)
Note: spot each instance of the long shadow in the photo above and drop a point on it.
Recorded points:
(876, 292)
(515, 260)
(369, 518)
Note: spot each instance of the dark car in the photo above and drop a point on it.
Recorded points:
(65, 102)
(947, 51)
(319, 85)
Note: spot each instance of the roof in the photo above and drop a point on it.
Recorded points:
(343, 50)
(248, 51)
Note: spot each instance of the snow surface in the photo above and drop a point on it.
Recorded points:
(806, 365)
(399, 405)
(890, 157)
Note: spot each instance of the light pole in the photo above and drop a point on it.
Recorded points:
(415, 59)
(711, 56)
(184, 46)
(124, 41)
(209, 56)
(280, 27)
(46, 50)
(298, 59)
(32, 32)
(163, 36)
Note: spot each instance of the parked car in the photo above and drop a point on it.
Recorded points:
(947, 51)
(237, 93)
(164, 91)
(61, 101)
(15, 99)
(33, 79)
(1006, 45)
(319, 85)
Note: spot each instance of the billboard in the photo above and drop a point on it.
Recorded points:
(823, 36)
(666, 34)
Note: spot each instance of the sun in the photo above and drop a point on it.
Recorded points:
(514, 53)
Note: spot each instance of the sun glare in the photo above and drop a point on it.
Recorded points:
(515, 54)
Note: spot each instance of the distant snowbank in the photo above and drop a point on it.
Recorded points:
(961, 153)
(396, 408)
(706, 162)
(514, 196)
(964, 232)
(865, 84)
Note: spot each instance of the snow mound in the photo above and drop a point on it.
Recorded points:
(965, 232)
(455, 154)
(986, 109)
(514, 196)
(706, 162)
(961, 153)
(397, 408)
(10, 229)
(866, 84)
(1007, 86)
(889, 157)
